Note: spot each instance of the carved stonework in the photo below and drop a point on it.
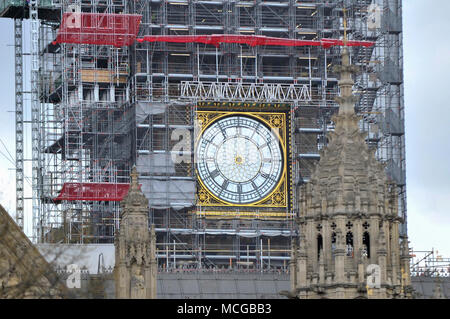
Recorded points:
(24, 273)
(351, 198)
(135, 269)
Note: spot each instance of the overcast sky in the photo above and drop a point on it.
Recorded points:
(427, 106)
(427, 103)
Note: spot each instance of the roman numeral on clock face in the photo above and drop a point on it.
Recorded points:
(215, 173)
(255, 130)
(222, 130)
(225, 184)
(264, 175)
(267, 176)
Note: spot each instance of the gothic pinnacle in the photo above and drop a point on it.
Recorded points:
(134, 185)
(135, 196)
(346, 100)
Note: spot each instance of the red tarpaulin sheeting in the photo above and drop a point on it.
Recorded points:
(99, 28)
(121, 30)
(252, 40)
(93, 191)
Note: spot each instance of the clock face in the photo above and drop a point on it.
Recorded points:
(239, 159)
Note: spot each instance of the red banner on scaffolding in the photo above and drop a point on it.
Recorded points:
(252, 40)
(98, 28)
(93, 191)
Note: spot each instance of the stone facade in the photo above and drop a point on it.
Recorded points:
(24, 273)
(349, 218)
(135, 247)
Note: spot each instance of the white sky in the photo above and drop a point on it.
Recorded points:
(427, 98)
(427, 106)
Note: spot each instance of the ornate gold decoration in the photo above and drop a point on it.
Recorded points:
(276, 120)
(203, 119)
(279, 197)
(224, 214)
(203, 197)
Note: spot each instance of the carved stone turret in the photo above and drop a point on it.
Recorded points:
(135, 269)
(349, 216)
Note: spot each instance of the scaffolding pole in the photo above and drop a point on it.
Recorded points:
(35, 120)
(18, 50)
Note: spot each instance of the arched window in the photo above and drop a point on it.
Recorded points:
(319, 245)
(366, 244)
(349, 244)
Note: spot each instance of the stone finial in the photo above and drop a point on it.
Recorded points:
(135, 197)
(134, 179)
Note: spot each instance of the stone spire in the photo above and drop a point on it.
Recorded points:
(135, 201)
(348, 173)
(348, 207)
(135, 269)
(346, 100)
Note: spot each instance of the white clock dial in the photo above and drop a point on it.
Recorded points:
(239, 159)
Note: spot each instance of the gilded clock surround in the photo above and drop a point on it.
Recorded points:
(271, 117)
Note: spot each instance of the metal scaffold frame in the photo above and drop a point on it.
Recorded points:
(429, 264)
(35, 120)
(103, 109)
(86, 130)
(18, 58)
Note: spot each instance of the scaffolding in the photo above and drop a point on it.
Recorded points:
(87, 124)
(104, 108)
(429, 263)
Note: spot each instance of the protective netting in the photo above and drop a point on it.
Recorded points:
(98, 28)
(144, 109)
(171, 193)
(156, 163)
(252, 40)
(93, 191)
(121, 30)
(161, 194)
